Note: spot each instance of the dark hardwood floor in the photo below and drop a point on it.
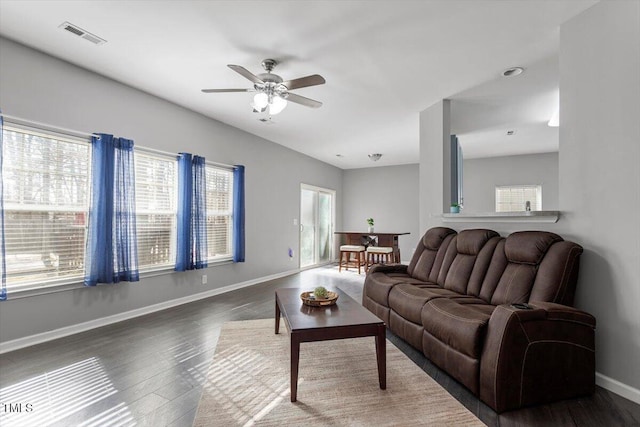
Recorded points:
(149, 371)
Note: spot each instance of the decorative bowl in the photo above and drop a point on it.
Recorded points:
(309, 299)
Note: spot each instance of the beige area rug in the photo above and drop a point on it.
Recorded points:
(248, 384)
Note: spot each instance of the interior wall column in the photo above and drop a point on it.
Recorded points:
(435, 164)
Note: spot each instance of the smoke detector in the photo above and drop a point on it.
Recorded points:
(375, 157)
(74, 29)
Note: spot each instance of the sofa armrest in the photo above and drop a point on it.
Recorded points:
(388, 268)
(537, 355)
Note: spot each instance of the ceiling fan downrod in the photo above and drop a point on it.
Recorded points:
(269, 64)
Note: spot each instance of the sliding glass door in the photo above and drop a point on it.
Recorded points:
(316, 225)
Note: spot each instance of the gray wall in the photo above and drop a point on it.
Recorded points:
(387, 194)
(599, 179)
(482, 175)
(40, 88)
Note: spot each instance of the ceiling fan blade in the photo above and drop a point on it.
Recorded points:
(307, 102)
(245, 73)
(226, 90)
(312, 80)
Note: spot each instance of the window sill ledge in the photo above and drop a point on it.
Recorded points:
(37, 290)
(530, 216)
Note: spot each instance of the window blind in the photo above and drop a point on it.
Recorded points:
(46, 201)
(514, 198)
(219, 210)
(155, 209)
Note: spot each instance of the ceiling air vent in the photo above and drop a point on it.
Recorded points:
(82, 33)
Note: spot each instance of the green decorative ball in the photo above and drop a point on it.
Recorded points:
(320, 292)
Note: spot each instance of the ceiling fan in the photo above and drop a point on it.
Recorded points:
(273, 92)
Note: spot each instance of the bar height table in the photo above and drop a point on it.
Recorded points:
(364, 238)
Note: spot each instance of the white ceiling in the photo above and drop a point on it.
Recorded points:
(384, 62)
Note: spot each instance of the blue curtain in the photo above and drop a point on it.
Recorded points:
(125, 240)
(185, 192)
(238, 213)
(111, 240)
(3, 265)
(192, 213)
(199, 213)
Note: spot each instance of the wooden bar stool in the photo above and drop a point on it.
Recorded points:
(377, 254)
(345, 256)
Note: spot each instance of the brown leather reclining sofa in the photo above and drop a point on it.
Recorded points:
(454, 302)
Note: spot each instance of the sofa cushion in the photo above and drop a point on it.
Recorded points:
(557, 274)
(515, 284)
(428, 256)
(529, 247)
(469, 243)
(524, 250)
(378, 285)
(496, 267)
(407, 300)
(460, 323)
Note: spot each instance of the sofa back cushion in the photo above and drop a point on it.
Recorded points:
(496, 268)
(484, 266)
(464, 268)
(558, 274)
(524, 251)
(429, 254)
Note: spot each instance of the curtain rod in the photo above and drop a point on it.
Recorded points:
(46, 126)
(81, 134)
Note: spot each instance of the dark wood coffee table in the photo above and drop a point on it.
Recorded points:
(346, 319)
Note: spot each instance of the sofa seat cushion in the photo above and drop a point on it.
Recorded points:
(460, 323)
(378, 285)
(407, 300)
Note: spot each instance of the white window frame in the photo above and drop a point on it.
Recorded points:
(169, 265)
(226, 257)
(517, 200)
(40, 283)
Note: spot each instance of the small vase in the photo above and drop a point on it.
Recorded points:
(371, 229)
(454, 209)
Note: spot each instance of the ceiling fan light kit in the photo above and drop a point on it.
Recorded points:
(272, 92)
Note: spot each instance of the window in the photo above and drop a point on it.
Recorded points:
(46, 200)
(219, 211)
(514, 198)
(155, 209)
(47, 187)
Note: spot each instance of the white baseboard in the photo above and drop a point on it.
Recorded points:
(615, 386)
(19, 343)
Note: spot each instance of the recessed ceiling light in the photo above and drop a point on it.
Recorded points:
(513, 71)
(511, 132)
(339, 155)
